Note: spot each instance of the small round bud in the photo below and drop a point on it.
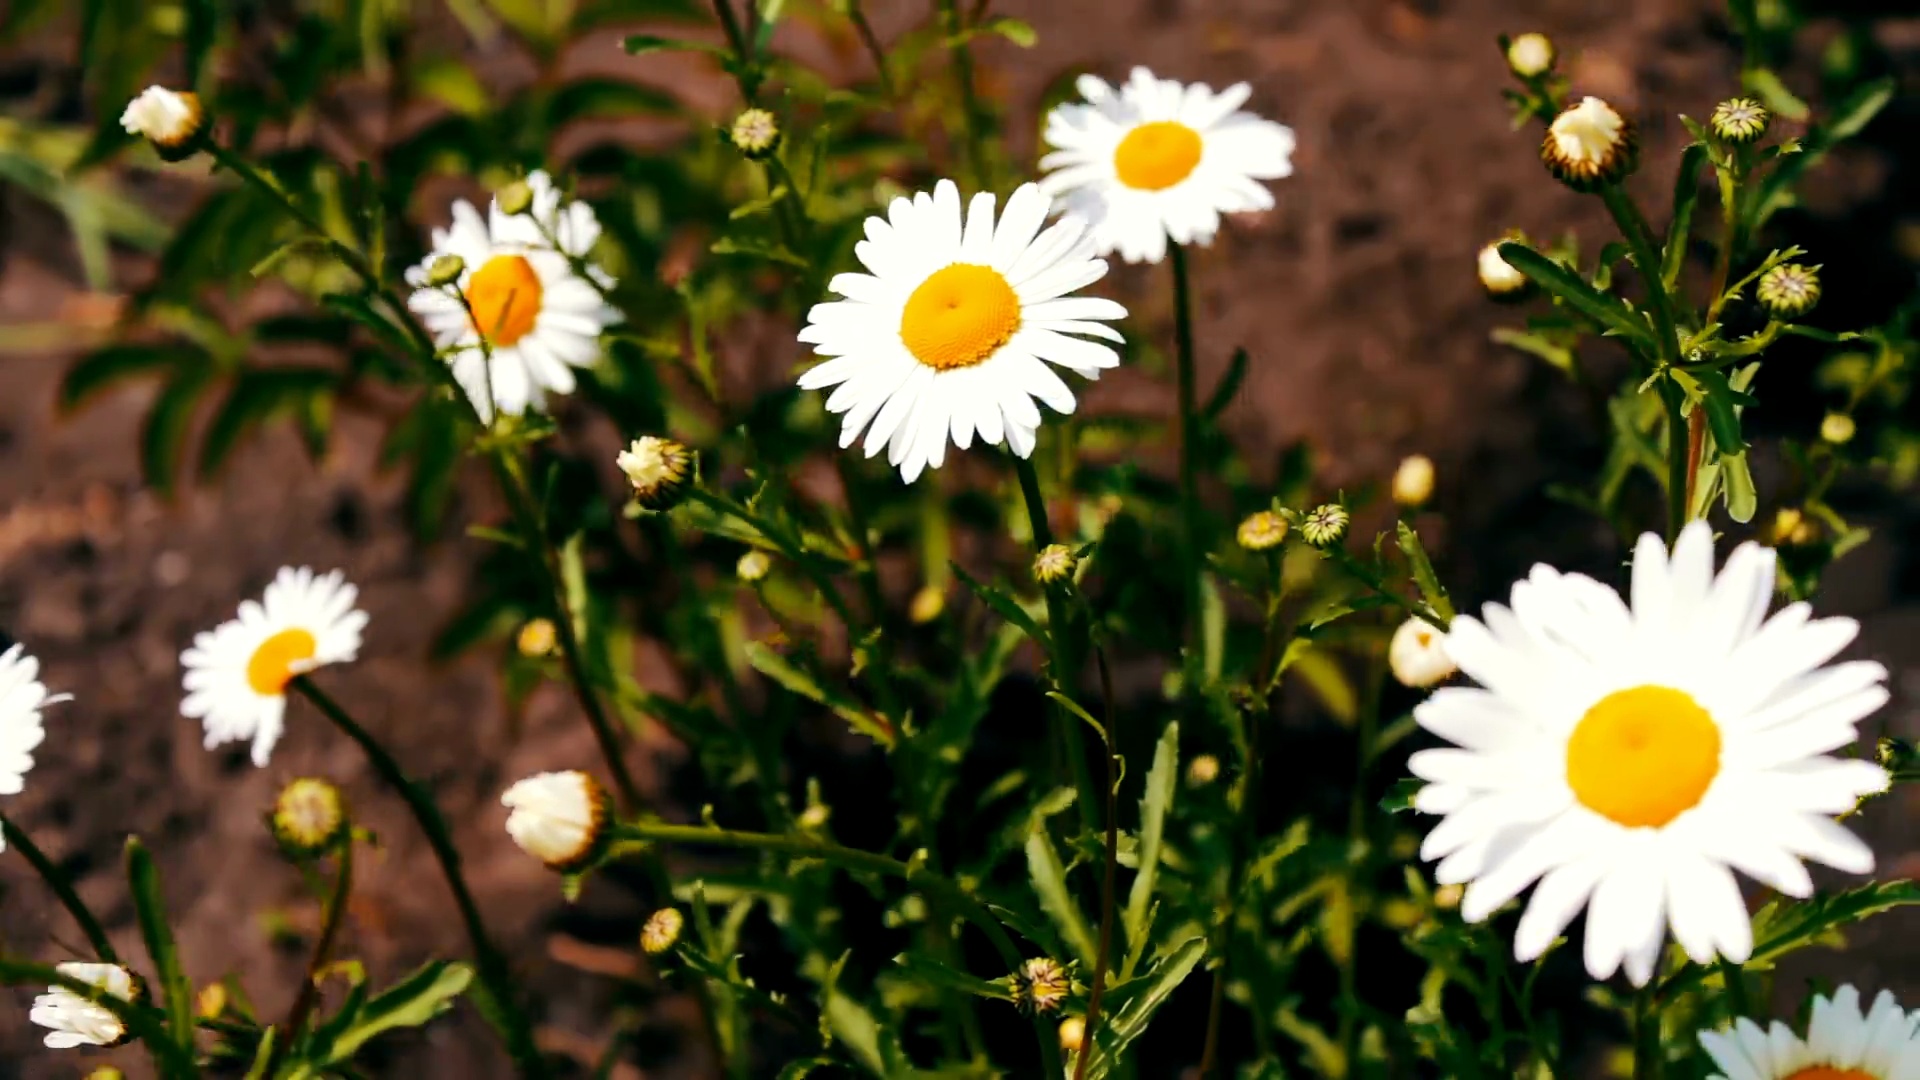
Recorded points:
(1531, 55)
(753, 566)
(1054, 564)
(662, 931)
(815, 816)
(1041, 985)
(1418, 654)
(1792, 528)
(1739, 121)
(1789, 290)
(1325, 526)
(1073, 1034)
(537, 639)
(1413, 480)
(211, 1002)
(1203, 770)
(174, 121)
(1447, 897)
(1261, 531)
(1589, 145)
(1837, 428)
(514, 199)
(444, 270)
(559, 818)
(73, 1020)
(1499, 277)
(309, 817)
(755, 133)
(927, 605)
(659, 470)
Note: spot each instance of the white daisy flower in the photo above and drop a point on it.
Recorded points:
(172, 120)
(22, 698)
(237, 673)
(72, 1020)
(1842, 1043)
(559, 818)
(540, 317)
(1155, 159)
(1418, 654)
(951, 332)
(1630, 758)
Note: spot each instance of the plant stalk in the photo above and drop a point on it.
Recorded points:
(309, 995)
(1189, 435)
(1110, 863)
(952, 26)
(63, 890)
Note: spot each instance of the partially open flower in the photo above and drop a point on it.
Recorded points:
(1589, 146)
(662, 931)
(515, 198)
(1054, 564)
(1073, 1034)
(1325, 526)
(1418, 654)
(1499, 277)
(309, 817)
(174, 121)
(753, 566)
(755, 133)
(1740, 120)
(1413, 480)
(1531, 55)
(559, 818)
(444, 270)
(1041, 985)
(1837, 428)
(537, 638)
(1789, 290)
(659, 470)
(1262, 531)
(73, 1020)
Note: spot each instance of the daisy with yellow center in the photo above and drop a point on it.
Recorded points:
(1630, 758)
(1155, 160)
(955, 329)
(237, 673)
(518, 317)
(1842, 1043)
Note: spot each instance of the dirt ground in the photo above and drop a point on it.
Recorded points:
(1356, 297)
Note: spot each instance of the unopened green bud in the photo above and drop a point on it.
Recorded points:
(1325, 526)
(1789, 290)
(514, 199)
(1739, 121)
(1054, 564)
(755, 133)
(309, 817)
(444, 270)
(662, 931)
(1837, 428)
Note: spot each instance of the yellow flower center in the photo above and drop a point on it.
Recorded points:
(505, 295)
(959, 316)
(1644, 756)
(1157, 155)
(271, 665)
(1828, 1072)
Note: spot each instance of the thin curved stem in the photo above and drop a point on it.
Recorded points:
(1063, 657)
(309, 995)
(1189, 476)
(952, 26)
(1110, 862)
(63, 890)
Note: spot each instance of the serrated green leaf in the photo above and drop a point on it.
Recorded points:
(1606, 310)
(1130, 1005)
(763, 249)
(1005, 606)
(1155, 803)
(1786, 926)
(163, 440)
(175, 993)
(1686, 195)
(1429, 582)
(256, 396)
(932, 972)
(103, 368)
(1049, 879)
(410, 1003)
(776, 667)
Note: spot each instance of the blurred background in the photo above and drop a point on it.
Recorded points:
(1356, 298)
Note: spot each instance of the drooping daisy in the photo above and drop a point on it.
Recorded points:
(22, 697)
(1842, 1043)
(73, 1020)
(539, 317)
(1630, 758)
(1154, 160)
(237, 673)
(951, 332)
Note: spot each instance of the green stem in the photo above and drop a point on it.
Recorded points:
(1646, 1034)
(1677, 458)
(1346, 562)
(737, 41)
(309, 995)
(1063, 658)
(935, 886)
(171, 1060)
(1646, 260)
(952, 26)
(856, 12)
(1215, 1006)
(1736, 980)
(1110, 862)
(490, 963)
(1190, 548)
(62, 889)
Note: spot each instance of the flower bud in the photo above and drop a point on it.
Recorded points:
(753, 566)
(1073, 1034)
(1413, 480)
(444, 270)
(1325, 526)
(309, 817)
(662, 931)
(1041, 985)
(73, 1020)
(1054, 564)
(1837, 428)
(1789, 290)
(1203, 770)
(1418, 654)
(1261, 531)
(174, 121)
(755, 133)
(1499, 277)
(537, 639)
(1589, 146)
(814, 817)
(211, 1001)
(1893, 754)
(1531, 55)
(559, 818)
(927, 605)
(1792, 528)
(1447, 897)
(514, 199)
(659, 470)
(1739, 121)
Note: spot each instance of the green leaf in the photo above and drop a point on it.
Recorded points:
(1006, 607)
(600, 98)
(1328, 682)
(1423, 576)
(1049, 880)
(143, 881)
(641, 44)
(103, 368)
(1018, 31)
(1783, 927)
(1854, 114)
(1764, 84)
(452, 83)
(932, 972)
(1606, 310)
(1552, 352)
(1155, 802)
(1686, 194)
(1399, 797)
(1130, 1005)
(758, 248)
(1722, 403)
(1742, 500)
(256, 396)
(163, 441)
(263, 1055)
(1228, 386)
(776, 667)
(410, 1003)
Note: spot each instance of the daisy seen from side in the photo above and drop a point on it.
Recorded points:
(1843, 1042)
(1153, 160)
(237, 673)
(72, 1020)
(954, 329)
(23, 697)
(1629, 756)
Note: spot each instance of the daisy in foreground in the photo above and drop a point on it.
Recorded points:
(1629, 759)
(951, 332)
(1842, 1043)
(1155, 159)
(237, 673)
(72, 1020)
(516, 318)
(22, 697)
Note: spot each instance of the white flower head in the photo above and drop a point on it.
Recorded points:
(658, 469)
(1630, 757)
(23, 697)
(1498, 276)
(1590, 145)
(1154, 160)
(559, 818)
(1418, 654)
(72, 1020)
(954, 330)
(1842, 1043)
(172, 120)
(237, 673)
(539, 318)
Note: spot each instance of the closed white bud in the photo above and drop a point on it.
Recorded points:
(174, 121)
(1418, 654)
(1531, 55)
(1413, 480)
(559, 818)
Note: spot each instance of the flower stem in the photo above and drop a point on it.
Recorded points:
(491, 964)
(63, 890)
(1189, 438)
(952, 27)
(1679, 482)
(1111, 861)
(309, 995)
(1646, 1034)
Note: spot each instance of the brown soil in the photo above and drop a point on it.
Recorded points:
(1356, 297)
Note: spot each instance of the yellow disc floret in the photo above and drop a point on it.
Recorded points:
(272, 665)
(505, 296)
(1644, 756)
(959, 316)
(1157, 155)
